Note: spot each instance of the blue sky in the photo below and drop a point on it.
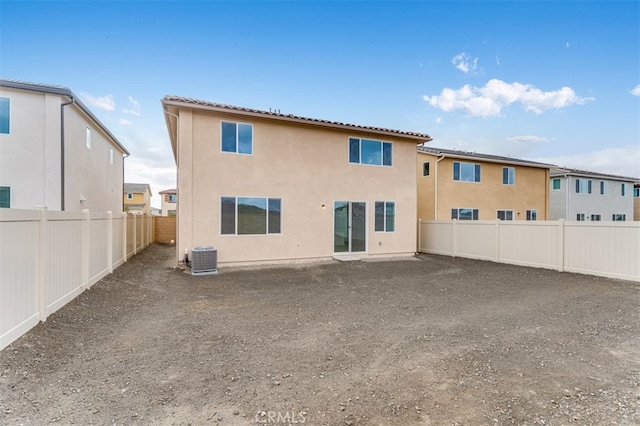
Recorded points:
(545, 80)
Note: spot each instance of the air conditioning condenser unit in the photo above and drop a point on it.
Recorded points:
(204, 260)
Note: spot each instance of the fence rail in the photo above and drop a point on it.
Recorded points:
(47, 258)
(609, 249)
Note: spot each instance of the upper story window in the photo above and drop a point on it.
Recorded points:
(603, 188)
(556, 184)
(466, 172)
(129, 196)
(425, 169)
(5, 118)
(237, 137)
(636, 192)
(88, 137)
(368, 151)
(172, 198)
(508, 176)
(465, 214)
(5, 196)
(583, 186)
(385, 220)
(505, 215)
(623, 189)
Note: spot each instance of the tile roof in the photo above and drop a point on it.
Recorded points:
(561, 171)
(277, 115)
(136, 187)
(479, 156)
(169, 191)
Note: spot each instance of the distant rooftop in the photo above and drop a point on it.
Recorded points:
(275, 114)
(561, 171)
(137, 188)
(485, 157)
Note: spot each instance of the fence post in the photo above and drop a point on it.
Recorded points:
(110, 241)
(41, 263)
(561, 238)
(496, 243)
(454, 238)
(419, 235)
(135, 234)
(86, 248)
(124, 236)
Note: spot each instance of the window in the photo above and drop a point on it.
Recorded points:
(580, 217)
(367, 151)
(5, 197)
(88, 137)
(237, 137)
(556, 184)
(623, 189)
(603, 188)
(172, 198)
(464, 214)
(425, 169)
(505, 214)
(466, 172)
(532, 214)
(385, 220)
(129, 196)
(583, 186)
(508, 176)
(250, 215)
(596, 218)
(171, 212)
(110, 155)
(636, 192)
(619, 217)
(5, 119)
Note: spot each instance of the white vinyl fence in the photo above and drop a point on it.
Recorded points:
(608, 249)
(47, 258)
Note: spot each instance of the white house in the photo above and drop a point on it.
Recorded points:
(169, 202)
(54, 152)
(583, 195)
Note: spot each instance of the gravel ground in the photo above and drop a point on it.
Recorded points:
(428, 340)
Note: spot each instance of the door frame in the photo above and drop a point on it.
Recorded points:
(349, 226)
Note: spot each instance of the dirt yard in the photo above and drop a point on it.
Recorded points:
(431, 340)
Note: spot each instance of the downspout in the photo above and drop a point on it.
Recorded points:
(123, 157)
(566, 198)
(435, 204)
(62, 193)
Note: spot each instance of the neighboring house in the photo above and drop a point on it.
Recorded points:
(137, 198)
(583, 195)
(469, 186)
(54, 152)
(169, 202)
(636, 201)
(156, 211)
(266, 187)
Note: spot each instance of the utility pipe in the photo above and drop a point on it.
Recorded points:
(62, 193)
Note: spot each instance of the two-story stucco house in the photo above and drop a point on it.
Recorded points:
(583, 195)
(169, 205)
(54, 152)
(470, 186)
(266, 187)
(137, 198)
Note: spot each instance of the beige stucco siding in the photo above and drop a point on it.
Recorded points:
(306, 167)
(529, 191)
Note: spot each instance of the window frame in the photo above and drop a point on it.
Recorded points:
(5, 101)
(386, 151)
(268, 210)
(596, 218)
(531, 214)
(475, 213)
(553, 184)
(506, 214)
(579, 186)
(636, 192)
(510, 176)
(237, 125)
(384, 218)
(426, 169)
(619, 217)
(580, 217)
(623, 189)
(603, 187)
(7, 191)
(477, 172)
(129, 195)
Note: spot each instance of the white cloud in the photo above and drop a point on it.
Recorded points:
(135, 107)
(106, 103)
(438, 120)
(622, 161)
(636, 90)
(528, 139)
(567, 45)
(125, 122)
(464, 63)
(489, 101)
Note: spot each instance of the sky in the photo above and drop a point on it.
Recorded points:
(550, 81)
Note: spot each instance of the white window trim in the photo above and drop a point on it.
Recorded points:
(395, 216)
(10, 102)
(237, 144)
(235, 234)
(474, 172)
(513, 215)
(514, 176)
(360, 163)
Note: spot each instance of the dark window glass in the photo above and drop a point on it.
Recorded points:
(386, 154)
(354, 150)
(228, 215)
(229, 137)
(5, 197)
(275, 209)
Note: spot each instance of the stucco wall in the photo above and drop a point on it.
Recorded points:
(307, 168)
(489, 195)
